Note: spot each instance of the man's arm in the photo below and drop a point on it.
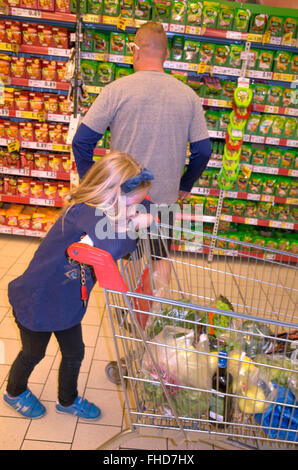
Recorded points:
(83, 145)
(198, 160)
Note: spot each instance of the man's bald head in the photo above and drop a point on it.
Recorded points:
(152, 40)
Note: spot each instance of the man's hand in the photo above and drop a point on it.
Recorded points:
(184, 195)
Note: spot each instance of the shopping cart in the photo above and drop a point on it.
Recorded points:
(168, 346)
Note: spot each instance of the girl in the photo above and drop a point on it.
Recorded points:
(46, 299)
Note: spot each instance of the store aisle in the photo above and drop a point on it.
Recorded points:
(55, 431)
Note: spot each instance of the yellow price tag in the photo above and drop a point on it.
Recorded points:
(246, 170)
(287, 39)
(41, 116)
(201, 68)
(13, 146)
(121, 23)
(266, 37)
(254, 37)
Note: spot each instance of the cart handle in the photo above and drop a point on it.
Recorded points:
(105, 268)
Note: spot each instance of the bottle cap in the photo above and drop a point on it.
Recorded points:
(222, 359)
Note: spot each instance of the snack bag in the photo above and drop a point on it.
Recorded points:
(283, 187)
(63, 6)
(117, 43)
(265, 61)
(21, 99)
(26, 159)
(253, 60)
(290, 127)
(255, 184)
(210, 13)
(225, 17)
(47, 5)
(87, 44)
(239, 207)
(41, 131)
(251, 210)
(287, 159)
(179, 11)
(246, 153)
(294, 64)
(142, 9)
(263, 212)
(284, 212)
(55, 162)
(95, 6)
(105, 73)
(194, 12)
(176, 52)
(274, 155)
(26, 131)
(269, 183)
(206, 53)
(290, 26)
(221, 55)
(228, 90)
(258, 23)
(88, 71)
(277, 126)
(274, 95)
(288, 97)
(100, 41)
(13, 32)
(191, 51)
(83, 6)
(212, 119)
(45, 35)
(275, 25)
(252, 123)
(161, 10)
(29, 34)
(282, 61)
(259, 157)
(234, 57)
(260, 92)
(211, 205)
(48, 71)
(18, 68)
(127, 8)
(241, 20)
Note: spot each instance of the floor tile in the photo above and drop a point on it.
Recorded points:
(110, 404)
(43, 445)
(15, 430)
(91, 436)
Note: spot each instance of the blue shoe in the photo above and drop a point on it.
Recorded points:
(26, 404)
(81, 408)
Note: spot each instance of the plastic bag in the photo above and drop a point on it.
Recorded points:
(280, 416)
(257, 340)
(177, 357)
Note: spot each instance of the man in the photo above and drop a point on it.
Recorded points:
(152, 116)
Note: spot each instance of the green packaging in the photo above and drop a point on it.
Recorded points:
(87, 44)
(251, 209)
(274, 155)
(258, 157)
(274, 96)
(246, 153)
(191, 51)
(282, 187)
(100, 41)
(269, 182)
(234, 58)
(204, 179)
(287, 159)
(259, 93)
(127, 8)
(129, 38)
(211, 205)
(255, 184)
(176, 52)
(161, 10)
(238, 207)
(122, 71)
(89, 71)
(258, 23)
(83, 6)
(179, 11)
(271, 243)
(105, 73)
(111, 7)
(288, 96)
(221, 55)
(95, 6)
(290, 127)
(228, 90)
(206, 53)
(284, 212)
(275, 25)
(210, 12)
(225, 17)
(265, 61)
(212, 119)
(293, 190)
(278, 125)
(263, 210)
(212, 88)
(142, 9)
(275, 212)
(294, 64)
(294, 247)
(224, 120)
(241, 20)
(284, 244)
(227, 206)
(252, 123)
(117, 43)
(282, 61)
(253, 60)
(194, 12)
(290, 26)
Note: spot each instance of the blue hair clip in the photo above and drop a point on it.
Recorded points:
(133, 183)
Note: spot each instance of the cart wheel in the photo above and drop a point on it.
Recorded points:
(112, 372)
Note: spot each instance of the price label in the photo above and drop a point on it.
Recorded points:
(91, 18)
(42, 202)
(177, 28)
(253, 197)
(271, 109)
(121, 23)
(196, 30)
(291, 111)
(258, 139)
(266, 37)
(293, 173)
(274, 223)
(246, 170)
(4, 112)
(254, 37)
(267, 198)
(250, 221)
(41, 116)
(13, 146)
(58, 52)
(287, 39)
(234, 35)
(201, 68)
(272, 140)
(292, 143)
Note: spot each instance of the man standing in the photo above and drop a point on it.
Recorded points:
(152, 116)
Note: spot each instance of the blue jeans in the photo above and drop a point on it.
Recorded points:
(34, 345)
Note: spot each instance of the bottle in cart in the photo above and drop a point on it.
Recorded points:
(220, 409)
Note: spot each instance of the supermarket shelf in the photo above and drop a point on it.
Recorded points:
(185, 247)
(7, 230)
(244, 195)
(260, 169)
(57, 175)
(258, 139)
(30, 49)
(33, 201)
(34, 116)
(39, 145)
(41, 15)
(52, 85)
(262, 108)
(240, 220)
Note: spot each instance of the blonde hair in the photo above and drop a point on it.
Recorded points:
(152, 38)
(101, 186)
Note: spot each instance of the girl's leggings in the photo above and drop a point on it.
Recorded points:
(34, 345)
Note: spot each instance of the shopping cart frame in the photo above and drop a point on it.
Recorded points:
(114, 282)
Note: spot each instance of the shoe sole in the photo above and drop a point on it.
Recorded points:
(24, 416)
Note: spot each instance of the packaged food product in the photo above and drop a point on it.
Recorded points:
(61, 69)
(294, 246)
(100, 41)
(212, 119)
(224, 120)
(63, 189)
(37, 188)
(10, 185)
(204, 179)
(241, 20)
(88, 71)
(258, 23)
(194, 12)
(290, 26)
(253, 123)
(47, 5)
(36, 103)
(11, 130)
(288, 97)
(55, 133)
(83, 6)
(40, 161)
(12, 159)
(105, 73)
(21, 99)
(228, 88)
(287, 158)
(30, 34)
(265, 61)
(45, 35)
(33, 68)
(13, 32)
(294, 64)
(161, 10)
(238, 207)
(87, 43)
(64, 105)
(282, 188)
(206, 53)
(25, 217)
(265, 124)
(264, 210)
(142, 9)
(274, 155)
(274, 212)
(290, 127)
(260, 93)
(12, 214)
(29, 4)
(278, 126)
(253, 59)
(227, 206)
(48, 71)
(41, 131)
(18, 68)
(117, 43)
(269, 182)
(255, 184)
(225, 17)
(178, 11)
(2, 32)
(66, 163)
(176, 52)
(62, 6)
(65, 130)
(294, 214)
(127, 8)
(23, 187)
(55, 162)
(234, 57)
(26, 131)
(246, 153)
(27, 159)
(50, 189)
(221, 55)
(284, 212)
(293, 190)
(282, 61)
(9, 102)
(275, 25)
(251, 210)
(274, 95)
(211, 205)
(212, 87)
(191, 51)
(210, 13)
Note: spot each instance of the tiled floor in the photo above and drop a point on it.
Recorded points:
(55, 431)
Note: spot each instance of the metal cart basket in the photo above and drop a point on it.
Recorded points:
(169, 337)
